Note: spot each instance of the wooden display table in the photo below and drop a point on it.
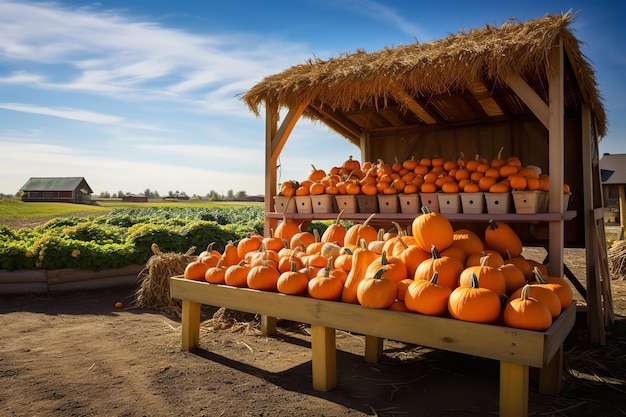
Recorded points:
(517, 350)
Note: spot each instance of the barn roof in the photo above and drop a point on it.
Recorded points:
(453, 81)
(55, 184)
(613, 168)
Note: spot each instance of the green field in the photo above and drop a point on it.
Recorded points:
(15, 209)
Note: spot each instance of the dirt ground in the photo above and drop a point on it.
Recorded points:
(76, 354)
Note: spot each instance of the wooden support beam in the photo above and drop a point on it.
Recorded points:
(530, 98)
(413, 105)
(486, 100)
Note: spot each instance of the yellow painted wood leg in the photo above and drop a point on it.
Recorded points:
(268, 325)
(373, 349)
(513, 390)
(550, 375)
(190, 320)
(324, 358)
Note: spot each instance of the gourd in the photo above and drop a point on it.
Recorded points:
(500, 237)
(361, 258)
(527, 313)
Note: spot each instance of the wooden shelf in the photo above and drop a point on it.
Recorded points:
(403, 217)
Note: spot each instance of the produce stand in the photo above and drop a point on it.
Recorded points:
(517, 350)
(525, 87)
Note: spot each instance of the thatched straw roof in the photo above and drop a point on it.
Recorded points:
(340, 89)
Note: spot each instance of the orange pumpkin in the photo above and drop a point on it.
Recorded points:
(474, 303)
(432, 228)
(428, 297)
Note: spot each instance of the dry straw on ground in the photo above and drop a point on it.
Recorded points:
(617, 259)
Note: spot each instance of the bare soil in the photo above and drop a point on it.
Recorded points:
(76, 354)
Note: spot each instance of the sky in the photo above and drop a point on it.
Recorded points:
(145, 94)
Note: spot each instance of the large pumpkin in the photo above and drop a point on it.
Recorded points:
(432, 228)
(474, 303)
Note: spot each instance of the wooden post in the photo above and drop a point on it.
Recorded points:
(373, 349)
(190, 321)
(622, 210)
(513, 390)
(324, 358)
(550, 375)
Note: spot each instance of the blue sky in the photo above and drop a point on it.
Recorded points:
(143, 94)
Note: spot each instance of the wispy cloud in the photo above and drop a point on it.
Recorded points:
(72, 114)
(107, 53)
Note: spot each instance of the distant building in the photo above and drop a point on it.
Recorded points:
(613, 173)
(135, 198)
(59, 189)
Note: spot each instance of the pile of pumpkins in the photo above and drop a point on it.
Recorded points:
(429, 269)
(426, 175)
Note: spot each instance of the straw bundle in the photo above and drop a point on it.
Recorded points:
(154, 291)
(617, 260)
(234, 321)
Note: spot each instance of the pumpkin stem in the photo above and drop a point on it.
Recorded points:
(379, 273)
(435, 253)
(339, 216)
(500, 153)
(366, 222)
(434, 278)
(474, 280)
(383, 258)
(425, 210)
(493, 225)
(539, 276)
(525, 292)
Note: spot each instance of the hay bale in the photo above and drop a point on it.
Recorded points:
(617, 259)
(154, 289)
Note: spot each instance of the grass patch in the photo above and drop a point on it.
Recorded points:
(15, 209)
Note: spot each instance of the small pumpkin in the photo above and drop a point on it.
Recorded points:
(487, 276)
(377, 291)
(237, 275)
(336, 232)
(428, 297)
(527, 313)
(215, 274)
(292, 282)
(263, 277)
(325, 286)
(361, 231)
(475, 304)
(559, 285)
(195, 270)
(541, 293)
(448, 269)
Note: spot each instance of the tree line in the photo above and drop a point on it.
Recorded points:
(155, 195)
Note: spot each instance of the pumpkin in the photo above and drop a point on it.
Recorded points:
(195, 270)
(523, 265)
(493, 259)
(237, 275)
(286, 229)
(448, 269)
(325, 286)
(432, 228)
(428, 297)
(302, 238)
(541, 293)
(474, 303)
(468, 241)
(248, 244)
(344, 260)
(263, 277)
(402, 287)
(361, 258)
(500, 237)
(292, 282)
(395, 269)
(514, 277)
(412, 256)
(487, 277)
(336, 232)
(361, 231)
(527, 313)
(215, 274)
(230, 255)
(559, 285)
(377, 291)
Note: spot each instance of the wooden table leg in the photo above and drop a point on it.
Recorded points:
(373, 349)
(513, 390)
(324, 358)
(550, 375)
(268, 325)
(190, 320)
